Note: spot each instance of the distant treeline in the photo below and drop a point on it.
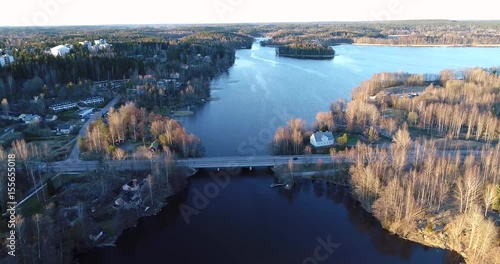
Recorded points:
(387, 33)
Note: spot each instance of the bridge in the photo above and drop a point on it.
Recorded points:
(249, 162)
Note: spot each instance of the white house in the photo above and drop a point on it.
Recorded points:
(61, 50)
(322, 139)
(6, 60)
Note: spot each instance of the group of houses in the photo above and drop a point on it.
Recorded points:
(63, 129)
(32, 118)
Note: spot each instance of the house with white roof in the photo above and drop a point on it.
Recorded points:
(322, 139)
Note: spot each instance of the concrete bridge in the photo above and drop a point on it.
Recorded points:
(249, 162)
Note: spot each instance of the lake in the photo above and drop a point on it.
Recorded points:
(262, 91)
(249, 222)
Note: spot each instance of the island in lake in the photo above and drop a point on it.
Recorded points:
(304, 50)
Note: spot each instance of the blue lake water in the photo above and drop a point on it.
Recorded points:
(262, 91)
(247, 221)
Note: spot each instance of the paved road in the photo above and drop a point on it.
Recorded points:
(75, 153)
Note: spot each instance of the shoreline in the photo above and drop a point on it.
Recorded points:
(426, 239)
(110, 241)
(429, 45)
(434, 240)
(310, 57)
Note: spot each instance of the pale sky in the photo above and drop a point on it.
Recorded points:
(100, 12)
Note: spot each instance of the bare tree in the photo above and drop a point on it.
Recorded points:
(37, 218)
(150, 187)
(489, 196)
(5, 106)
(119, 154)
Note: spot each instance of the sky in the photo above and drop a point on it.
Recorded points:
(102, 12)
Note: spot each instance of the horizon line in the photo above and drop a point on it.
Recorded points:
(253, 23)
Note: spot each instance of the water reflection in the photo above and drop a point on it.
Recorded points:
(250, 215)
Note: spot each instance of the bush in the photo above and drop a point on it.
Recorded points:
(342, 141)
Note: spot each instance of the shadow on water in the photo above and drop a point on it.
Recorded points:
(165, 234)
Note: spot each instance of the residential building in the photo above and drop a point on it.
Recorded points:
(322, 139)
(63, 106)
(86, 112)
(94, 100)
(154, 146)
(61, 50)
(50, 118)
(31, 119)
(132, 186)
(6, 60)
